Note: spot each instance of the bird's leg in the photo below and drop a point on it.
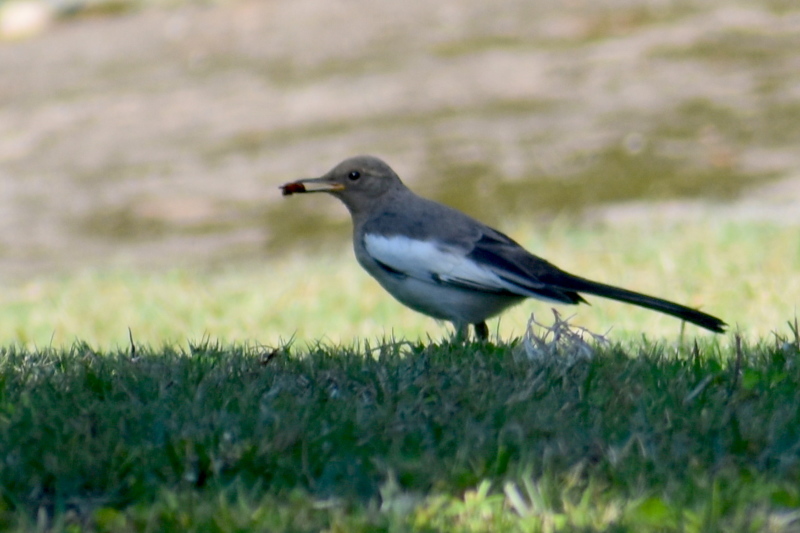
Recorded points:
(462, 332)
(481, 331)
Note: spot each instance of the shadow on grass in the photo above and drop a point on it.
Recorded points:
(88, 433)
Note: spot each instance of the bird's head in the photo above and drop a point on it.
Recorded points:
(359, 182)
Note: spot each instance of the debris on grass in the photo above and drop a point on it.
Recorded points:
(560, 341)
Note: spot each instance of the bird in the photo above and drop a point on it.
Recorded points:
(445, 264)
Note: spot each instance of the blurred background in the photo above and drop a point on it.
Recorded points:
(155, 134)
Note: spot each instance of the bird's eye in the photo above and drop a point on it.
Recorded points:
(354, 175)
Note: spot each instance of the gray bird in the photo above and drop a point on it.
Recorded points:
(447, 265)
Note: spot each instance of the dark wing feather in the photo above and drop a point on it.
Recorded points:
(532, 274)
(520, 268)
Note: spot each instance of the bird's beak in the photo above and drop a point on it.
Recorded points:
(323, 184)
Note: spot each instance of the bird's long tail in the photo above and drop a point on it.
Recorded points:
(704, 320)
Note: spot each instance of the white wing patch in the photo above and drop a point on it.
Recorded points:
(425, 260)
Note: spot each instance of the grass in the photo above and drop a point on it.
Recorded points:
(743, 272)
(401, 437)
(212, 420)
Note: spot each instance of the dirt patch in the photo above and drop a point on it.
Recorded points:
(159, 138)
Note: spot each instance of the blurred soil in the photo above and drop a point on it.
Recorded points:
(158, 137)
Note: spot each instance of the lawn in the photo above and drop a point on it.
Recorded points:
(293, 395)
(397, 436)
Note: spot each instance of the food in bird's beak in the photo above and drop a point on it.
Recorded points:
(291, 188)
